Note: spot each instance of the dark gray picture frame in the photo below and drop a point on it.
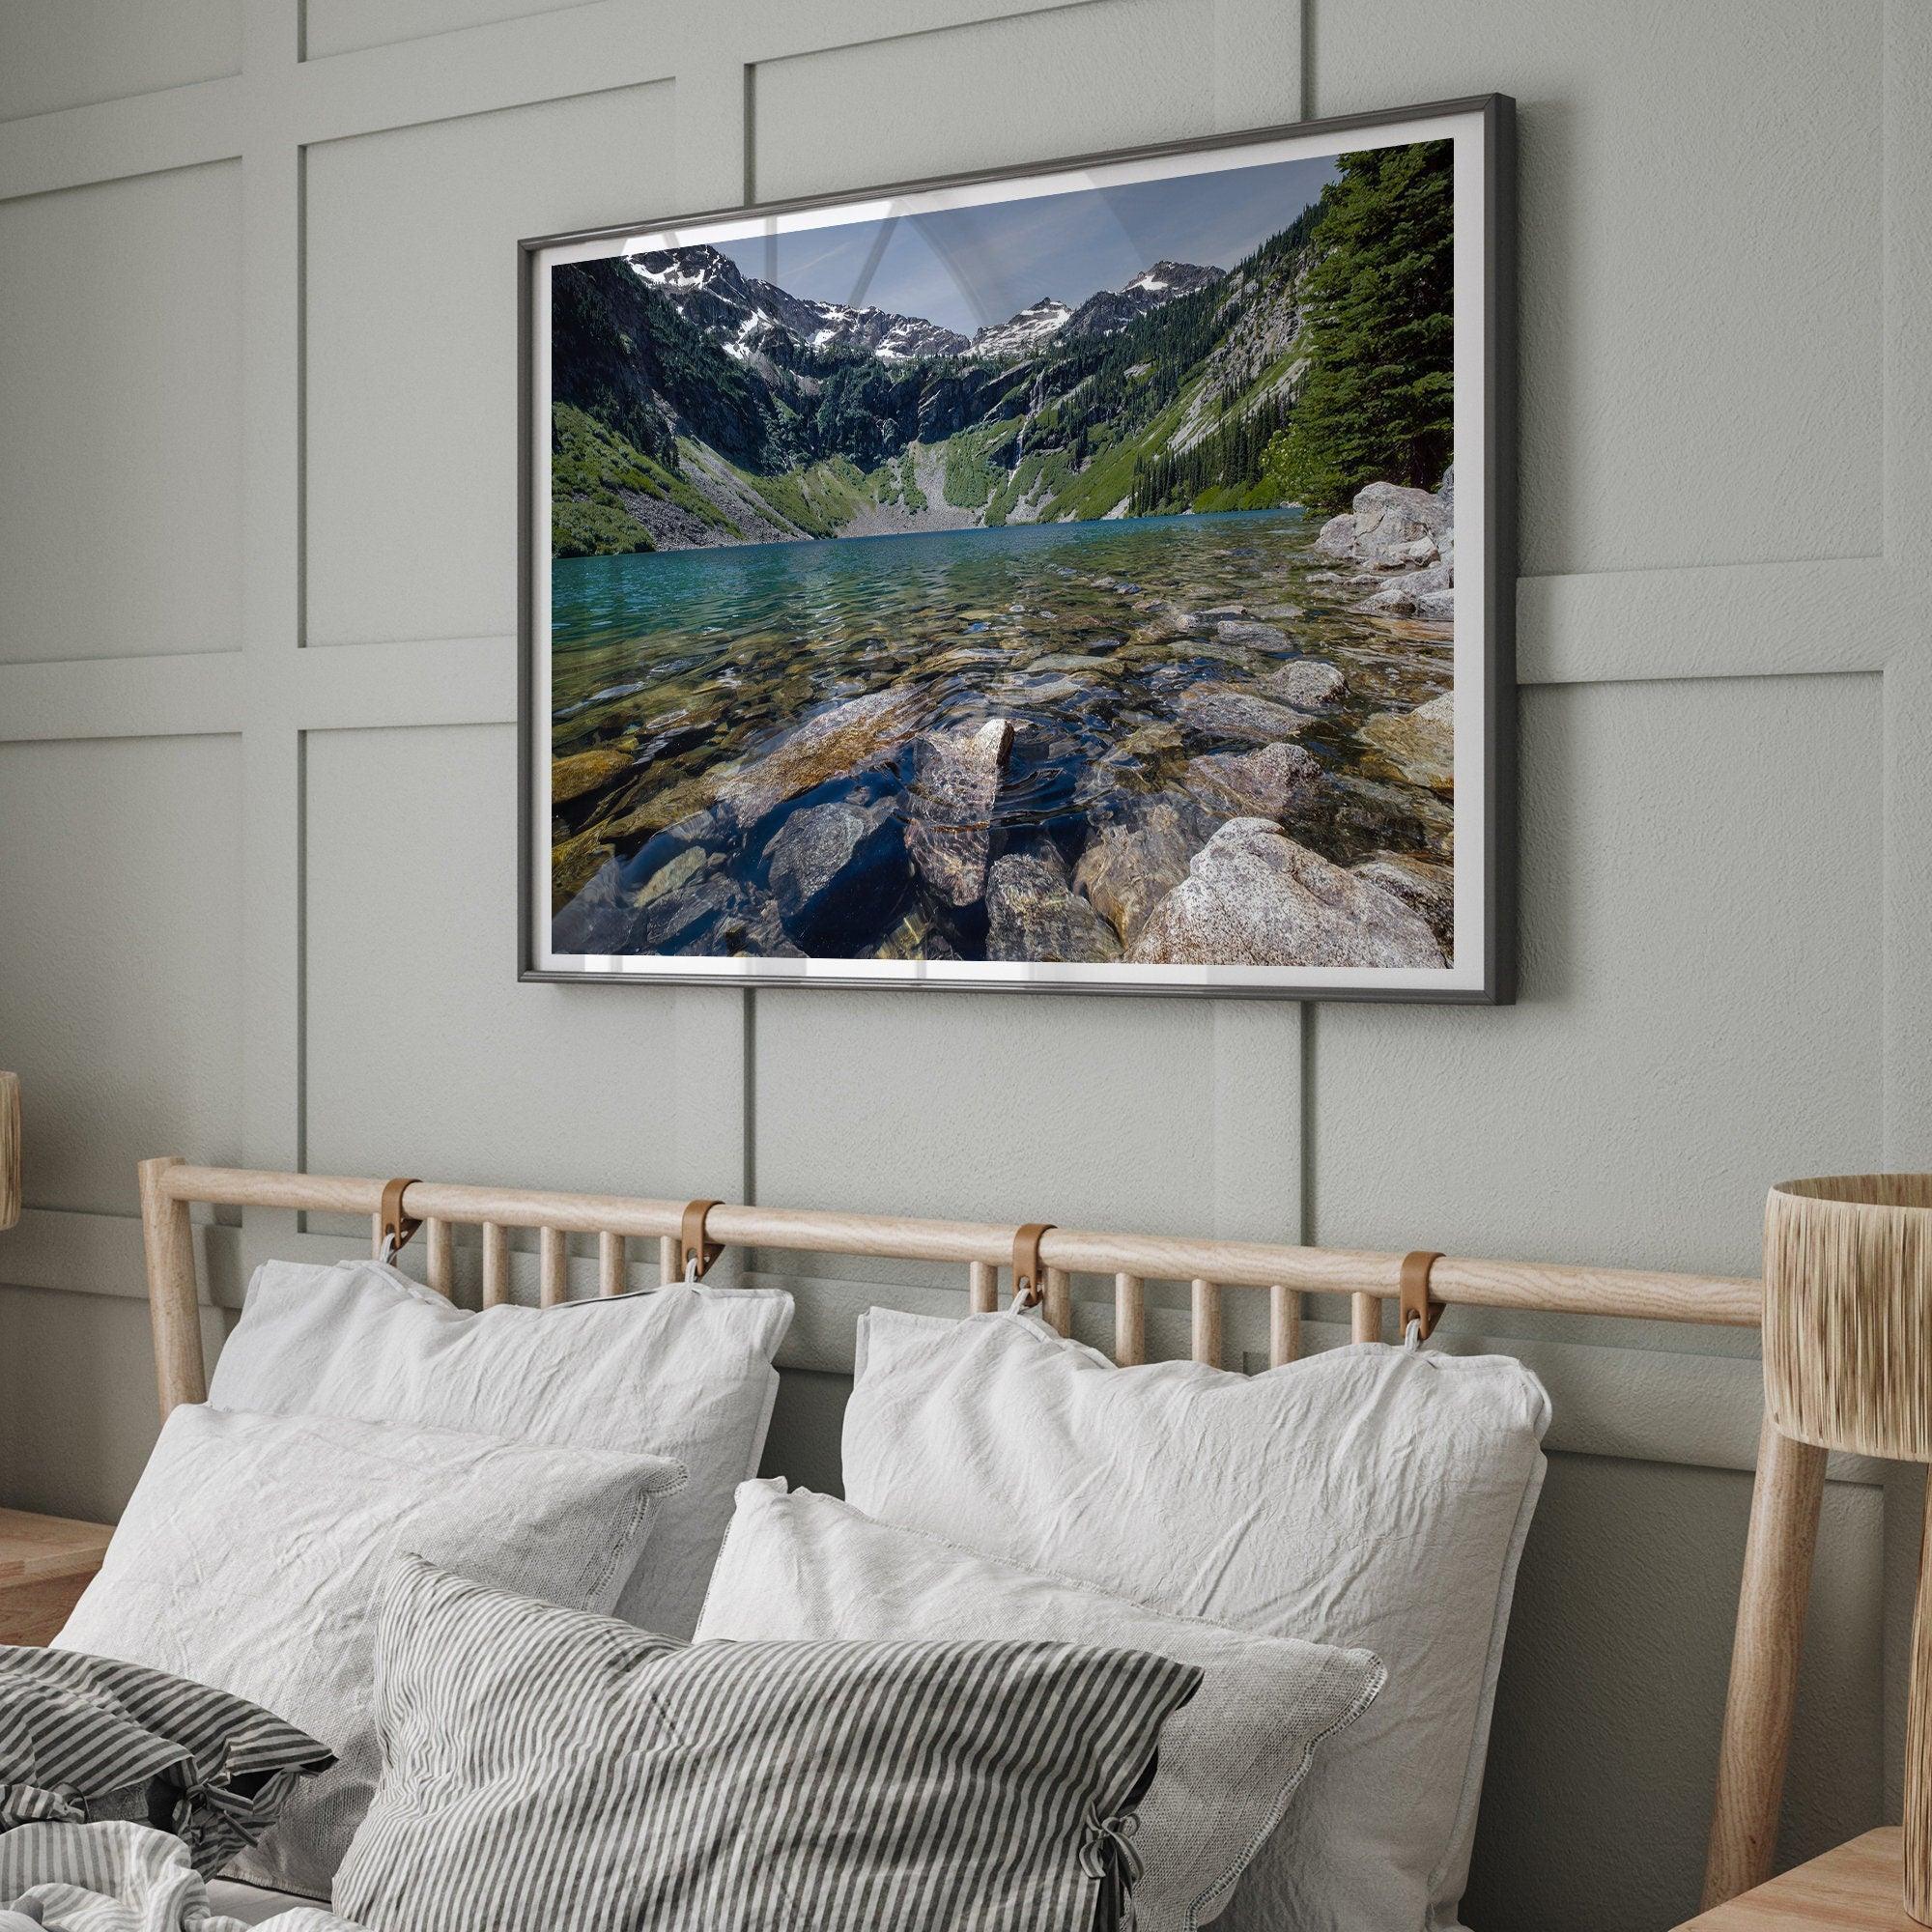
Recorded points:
(1488, 122)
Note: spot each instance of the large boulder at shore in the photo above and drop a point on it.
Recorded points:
(1430, 888)
(949, 808)
(825, 860)
(1336, 536)
(1399, 596)
(1309, 684)
(1235, 711)
(1034, 914)
(1390, 525)
(1136, 857)
(1253, 896)
(849, 738)
(1420, 744)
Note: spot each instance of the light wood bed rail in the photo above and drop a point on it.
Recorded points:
(1790, 1476)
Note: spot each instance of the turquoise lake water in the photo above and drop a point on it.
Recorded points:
(698, 663)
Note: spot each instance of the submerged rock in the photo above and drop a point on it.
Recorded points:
(1230, 711)
(849, 738)
(949, 808)
(1263, 784)
(1420, 744)
(1309, 684)
(685, 919)
(1136, 857)
(573, 863)
(914, 937)
(586, 770)
(1262, 637)
(597, 918)
(1253, 896)
(1072, 663)
(1032, 914)
(822, 860)
(677, 871)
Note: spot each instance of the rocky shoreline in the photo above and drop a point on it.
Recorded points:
(1257, 780)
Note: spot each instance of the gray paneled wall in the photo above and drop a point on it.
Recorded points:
(257, 693)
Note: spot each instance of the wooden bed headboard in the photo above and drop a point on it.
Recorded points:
(1045, 1258)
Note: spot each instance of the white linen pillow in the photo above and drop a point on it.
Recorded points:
(800, 1566)
(252, 1554)
(1374, 1496)
(684, 1371)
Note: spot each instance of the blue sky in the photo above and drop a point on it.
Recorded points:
(972, 266)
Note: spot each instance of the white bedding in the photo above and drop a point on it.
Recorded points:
(254, 1904)
(127, 1878)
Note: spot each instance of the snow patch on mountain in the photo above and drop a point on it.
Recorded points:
(1023, 333)
(708, 289)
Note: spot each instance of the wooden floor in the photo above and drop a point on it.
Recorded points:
(1855, 1889)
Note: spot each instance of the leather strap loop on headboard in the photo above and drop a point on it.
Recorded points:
(1029, 1277)
(1418, 1305)
(692, 1249)
(396, 1226)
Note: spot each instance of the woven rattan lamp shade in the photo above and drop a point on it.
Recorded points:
(10, 1149)
(1848, 1313)
(1848, 1365)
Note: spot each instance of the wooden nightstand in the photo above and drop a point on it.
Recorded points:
(46, 1562)
(1857, 1888)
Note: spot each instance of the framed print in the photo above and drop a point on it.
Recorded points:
(1093, 577)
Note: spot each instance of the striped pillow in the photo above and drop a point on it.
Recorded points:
(87, 1738)
(551, 1771)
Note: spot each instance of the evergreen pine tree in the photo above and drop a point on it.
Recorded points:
(1377, 398)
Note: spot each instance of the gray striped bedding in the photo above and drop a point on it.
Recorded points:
(551, 1771)
(122, 1877)
(85, 1738)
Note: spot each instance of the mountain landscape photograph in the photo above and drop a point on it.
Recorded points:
(1068, 578)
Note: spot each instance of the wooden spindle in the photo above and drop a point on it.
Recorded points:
(1787, 1495)
(1129, 1321)
(495, 1265)
(553, 1266)
(1284, 1326)
(376, 1237)
(1365, 1317)
(1060, 1300)
(610, 1264)
(668, 1268)
(441, 1238)
(173, 1299)
(983, 1286)
(1207, 1323)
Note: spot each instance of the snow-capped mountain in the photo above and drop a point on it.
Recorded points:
(741, 313)
(1109, 309)
(1022, 332)
(738, 311)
